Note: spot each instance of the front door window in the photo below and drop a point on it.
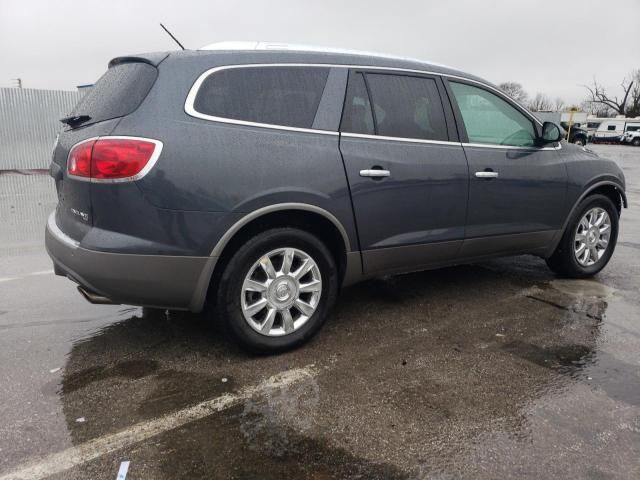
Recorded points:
(489, 119)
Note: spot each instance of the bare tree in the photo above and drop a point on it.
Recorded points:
(633, 109)
(597, 109)
(558, 105)
(598, 94)
(540, 103)
(515, 91)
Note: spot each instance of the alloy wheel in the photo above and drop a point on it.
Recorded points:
(281, 292)
(592, 236)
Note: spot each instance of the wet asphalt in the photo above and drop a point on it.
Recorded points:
(493, 370)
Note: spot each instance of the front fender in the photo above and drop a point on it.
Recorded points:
(597, 183)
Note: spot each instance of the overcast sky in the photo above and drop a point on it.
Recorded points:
(549, 46)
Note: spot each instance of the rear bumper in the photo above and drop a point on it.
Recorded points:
(161, 281)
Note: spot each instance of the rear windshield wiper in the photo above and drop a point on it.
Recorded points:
(74, 120)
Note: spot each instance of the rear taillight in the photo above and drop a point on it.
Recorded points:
(113, 158)
(79, 162)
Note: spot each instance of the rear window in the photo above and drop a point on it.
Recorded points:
(287, 96)
(118, 92)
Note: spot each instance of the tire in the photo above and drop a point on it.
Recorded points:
(636, 142)
(580, 141)
(564, 260)
(231, 296)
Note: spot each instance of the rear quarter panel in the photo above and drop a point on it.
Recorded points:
(229, 170)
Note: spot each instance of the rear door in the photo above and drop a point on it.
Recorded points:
(406, 170)
(517, 189)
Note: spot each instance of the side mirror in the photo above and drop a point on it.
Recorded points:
(550, 133)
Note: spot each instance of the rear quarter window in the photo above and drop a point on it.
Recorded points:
(286, 96)
(119, 92)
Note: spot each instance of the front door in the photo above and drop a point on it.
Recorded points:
(517, 190)
(407, 172)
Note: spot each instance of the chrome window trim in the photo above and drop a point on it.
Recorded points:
(193, 92)
(59, 234)
(442, 142)
(195, 88)
(147, 168)
(511, 147)
(398, 139)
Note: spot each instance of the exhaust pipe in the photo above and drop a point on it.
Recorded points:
(95, 298)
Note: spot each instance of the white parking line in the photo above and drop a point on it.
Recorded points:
(32, 274)
(78, 455)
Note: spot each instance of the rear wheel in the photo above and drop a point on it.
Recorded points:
(636, 142)
(589, 240)
(277, 289)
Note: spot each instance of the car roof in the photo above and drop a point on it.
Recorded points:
(264, 52)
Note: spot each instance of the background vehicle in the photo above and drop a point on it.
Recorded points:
(262, 181)
(612, 130)
(592, 127)
(577, 135)
(632, 137)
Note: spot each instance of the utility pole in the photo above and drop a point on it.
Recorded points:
(571, 112)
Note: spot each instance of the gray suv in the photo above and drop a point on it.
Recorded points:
(259, 182)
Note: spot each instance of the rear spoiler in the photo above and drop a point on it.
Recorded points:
(154, 59)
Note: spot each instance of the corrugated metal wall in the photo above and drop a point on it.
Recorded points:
(25, 203)
(29, 123)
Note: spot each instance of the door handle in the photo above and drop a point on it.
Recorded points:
(375, 173)
(486, 174)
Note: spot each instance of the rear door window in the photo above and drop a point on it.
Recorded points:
(287, 96)
(407, 107)
(119, 92)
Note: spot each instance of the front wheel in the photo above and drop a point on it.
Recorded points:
(636, 142)
(277, 289)
(589, 240)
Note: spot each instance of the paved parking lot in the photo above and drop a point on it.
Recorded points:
(494, 370)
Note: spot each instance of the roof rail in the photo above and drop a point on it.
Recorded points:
(256, 45)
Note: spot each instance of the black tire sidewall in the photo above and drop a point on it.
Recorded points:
(230, 287)
(587, 204)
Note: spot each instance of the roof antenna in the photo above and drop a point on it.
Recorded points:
(171, 35)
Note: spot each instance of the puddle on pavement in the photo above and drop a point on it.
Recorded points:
(583, 288)
(413, 371)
